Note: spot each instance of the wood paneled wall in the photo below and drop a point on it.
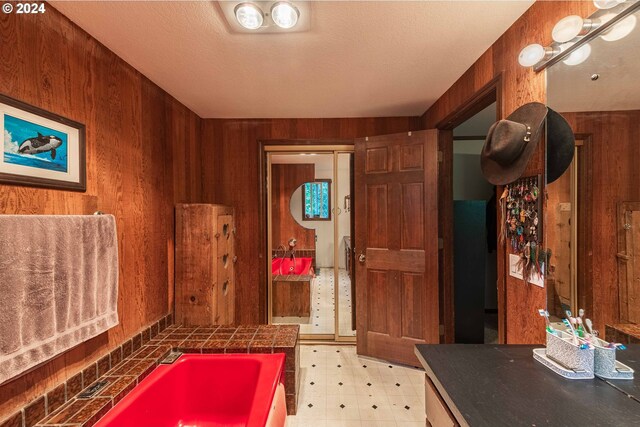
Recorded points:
(230, 176)
(615, 178)
(285, 181)
(519, 85)
(141, 151)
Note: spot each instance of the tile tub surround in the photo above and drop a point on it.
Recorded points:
(54, 399)
(121, 378)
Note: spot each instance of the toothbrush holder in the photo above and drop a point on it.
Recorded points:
(561, 349)
(606, 365)
(605, 357)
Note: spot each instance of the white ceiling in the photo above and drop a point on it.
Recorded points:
(359, 59)
(570, 88)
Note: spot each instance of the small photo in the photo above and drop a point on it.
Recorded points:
(33, 145)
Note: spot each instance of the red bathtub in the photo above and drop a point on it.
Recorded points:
(299, 266)
(201, 390)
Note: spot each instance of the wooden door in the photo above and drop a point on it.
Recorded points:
(396, 246)
(629, 261)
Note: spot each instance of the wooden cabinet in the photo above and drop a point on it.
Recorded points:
(438, 414)
(205, 260)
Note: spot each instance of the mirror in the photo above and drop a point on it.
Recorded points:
(592, 221)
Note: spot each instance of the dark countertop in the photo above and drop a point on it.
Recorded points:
(502, 385)
(631, 358)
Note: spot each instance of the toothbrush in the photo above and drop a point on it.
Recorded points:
(568, 324)
(580, 329)
(590, 327)
(617, 346)
(545, 314)
(574, 323)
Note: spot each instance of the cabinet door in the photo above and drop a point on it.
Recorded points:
(438, 414)
(195, 278)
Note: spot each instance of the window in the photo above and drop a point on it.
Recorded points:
(316, 200)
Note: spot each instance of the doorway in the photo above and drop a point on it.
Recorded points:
(475, 266)
(568, 215)
(310, 222)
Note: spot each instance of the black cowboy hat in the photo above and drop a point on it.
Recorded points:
(561, 144)
(510, 143)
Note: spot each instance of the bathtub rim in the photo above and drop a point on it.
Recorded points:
(259, 412)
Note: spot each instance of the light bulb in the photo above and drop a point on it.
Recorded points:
(249, 16)
(578, 56)
(284, 14)
(531, 55)
(621, 29)
(607, 4)
(568, 28)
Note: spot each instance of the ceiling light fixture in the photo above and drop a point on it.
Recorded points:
(607, 4)
(570, 27)
(284, 14)
(578, 56)
(620, 30)
(249, 15)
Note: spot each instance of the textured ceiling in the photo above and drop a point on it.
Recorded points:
(358, 59)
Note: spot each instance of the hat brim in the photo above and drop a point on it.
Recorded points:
(561, 143)
(532, 114)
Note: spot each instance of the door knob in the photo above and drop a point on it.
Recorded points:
(362, 258)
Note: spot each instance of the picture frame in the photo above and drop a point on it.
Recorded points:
(40, 148)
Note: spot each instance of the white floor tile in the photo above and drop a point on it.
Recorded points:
(371, 396)
(344, 423)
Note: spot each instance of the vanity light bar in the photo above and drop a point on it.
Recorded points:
(563, 48)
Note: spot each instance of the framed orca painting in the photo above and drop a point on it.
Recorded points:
(41, 149)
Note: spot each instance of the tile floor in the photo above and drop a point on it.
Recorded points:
(322, 320)
(344, 301)
(339, 388)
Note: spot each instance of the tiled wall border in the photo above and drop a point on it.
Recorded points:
(46, 404)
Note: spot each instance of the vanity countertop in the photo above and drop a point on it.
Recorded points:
(502, 385)
(631, 358)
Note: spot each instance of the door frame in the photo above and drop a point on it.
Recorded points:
(265, 147)
(583, 256)
(485, 96)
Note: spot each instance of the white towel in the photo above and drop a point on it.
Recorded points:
(58, 285)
